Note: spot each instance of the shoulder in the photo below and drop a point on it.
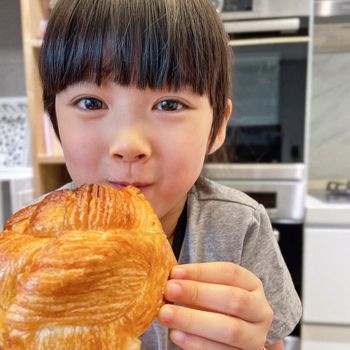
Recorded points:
(207, 192)
(223, 206)
(220, 221)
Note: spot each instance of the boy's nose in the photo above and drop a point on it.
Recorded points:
(130, 146)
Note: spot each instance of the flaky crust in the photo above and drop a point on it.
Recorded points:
(82, 270)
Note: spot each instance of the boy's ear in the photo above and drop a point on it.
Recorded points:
(220, 136)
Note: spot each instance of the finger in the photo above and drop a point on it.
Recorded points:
(249, 306)
(212, 326)
(218, 272)
(192, 342)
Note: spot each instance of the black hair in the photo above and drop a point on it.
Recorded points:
(146, 43)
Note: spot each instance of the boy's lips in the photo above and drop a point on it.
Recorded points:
(122, 184)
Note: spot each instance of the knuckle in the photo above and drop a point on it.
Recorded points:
(234, 272)
(268, 312)
(193, 294)
(238, 302)
(233, 334)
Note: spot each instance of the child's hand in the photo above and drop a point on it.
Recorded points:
(224, 307)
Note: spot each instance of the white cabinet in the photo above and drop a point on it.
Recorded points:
(325, 337)
(326, 288)
(326, 276)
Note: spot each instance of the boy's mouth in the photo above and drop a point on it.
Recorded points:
(139, 185)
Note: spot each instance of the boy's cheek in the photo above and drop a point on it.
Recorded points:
(81, 166)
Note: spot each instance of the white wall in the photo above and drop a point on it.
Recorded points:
(330, 117)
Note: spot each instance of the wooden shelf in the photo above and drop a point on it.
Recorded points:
(50, 159)
(36, 43)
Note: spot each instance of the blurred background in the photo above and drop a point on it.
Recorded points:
(288, 140)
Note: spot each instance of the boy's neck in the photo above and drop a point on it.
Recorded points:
(169, 221)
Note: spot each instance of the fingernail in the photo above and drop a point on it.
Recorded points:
(178, 272)
(173, 290)
(166, 313)
(178, 336)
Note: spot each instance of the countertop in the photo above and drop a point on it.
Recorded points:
(323, 210)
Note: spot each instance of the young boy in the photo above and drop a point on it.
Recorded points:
(137, 91)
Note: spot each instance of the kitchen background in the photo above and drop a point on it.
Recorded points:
(326, 320)
(16, 188)
(329, 143)
(11, 57)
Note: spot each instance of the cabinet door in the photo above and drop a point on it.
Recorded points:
(326, 275)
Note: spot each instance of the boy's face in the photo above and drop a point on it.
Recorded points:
(153, 139)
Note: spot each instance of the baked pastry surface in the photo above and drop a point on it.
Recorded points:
(82, 270)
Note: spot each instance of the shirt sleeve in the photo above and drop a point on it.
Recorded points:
(262, 256)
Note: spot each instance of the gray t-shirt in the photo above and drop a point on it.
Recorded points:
(224, 224)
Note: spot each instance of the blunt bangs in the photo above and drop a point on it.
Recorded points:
(154, 43)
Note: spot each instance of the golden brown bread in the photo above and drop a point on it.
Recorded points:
(83, 269)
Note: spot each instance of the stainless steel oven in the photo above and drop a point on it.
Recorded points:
(264, 149)
(270, 42)
(280, 187)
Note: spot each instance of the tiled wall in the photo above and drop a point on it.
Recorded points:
(330, 117)
(11, 58)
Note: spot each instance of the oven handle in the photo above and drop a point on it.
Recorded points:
(267, 25)
(270, 41)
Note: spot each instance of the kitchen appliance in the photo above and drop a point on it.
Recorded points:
(270, 56)
(243, 9)
(332, 8)
(264, 149)
(280, 187)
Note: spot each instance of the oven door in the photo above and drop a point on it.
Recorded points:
(268, 92)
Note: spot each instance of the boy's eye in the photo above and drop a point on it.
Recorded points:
(90, 103)
(169, 106)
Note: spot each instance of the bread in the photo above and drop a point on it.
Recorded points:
(83, 270)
